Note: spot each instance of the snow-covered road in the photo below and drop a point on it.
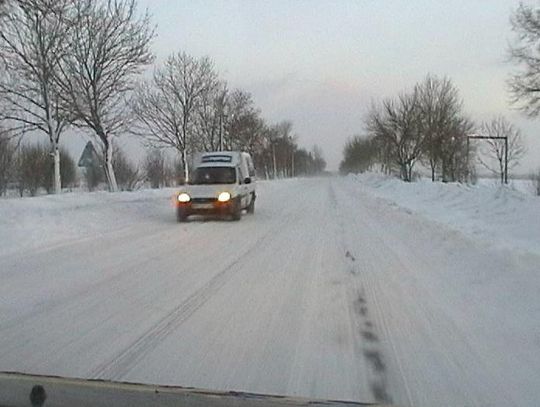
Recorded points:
(326, 292)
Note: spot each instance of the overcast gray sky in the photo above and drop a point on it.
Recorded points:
(321, 63)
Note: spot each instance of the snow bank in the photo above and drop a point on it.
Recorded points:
(526, 186)
(497, 215)
(51, 220)
(47, 220)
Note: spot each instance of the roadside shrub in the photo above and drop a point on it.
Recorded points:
(128, 175)
(360, 153)
(68, 171)
(536, 182)
(94, 175)
(33, 168)
(7, 159)
(155, 168)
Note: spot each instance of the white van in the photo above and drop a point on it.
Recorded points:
(222, 182)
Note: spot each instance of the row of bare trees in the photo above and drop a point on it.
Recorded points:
(71, 63)
(28, 168)
(424, 125)
(187, 106)
(78, 63)
(428, 126)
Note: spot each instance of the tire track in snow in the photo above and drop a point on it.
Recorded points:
(434, 331)
(86, 291)
(371, 289)
(368, 345)
(79, 294)
(126, 360)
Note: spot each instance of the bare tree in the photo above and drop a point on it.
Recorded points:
(494, 155)
(166, 107)
(211, 119)
(128, 175)
(109, 47)
(245, 129)
(32, 168)
(262, 158)
(525, 52)
(455, 156)
(69, 169)
(440, 109)
(397, 126)
(425, 124)
(32, 41)
(4, 10)
(359, 155)
(319, 163)
(281, 147)
(155, 167)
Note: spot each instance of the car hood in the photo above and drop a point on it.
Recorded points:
(17, 388)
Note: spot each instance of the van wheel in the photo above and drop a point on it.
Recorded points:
(237, 212)
(181, 215)
(251, 206)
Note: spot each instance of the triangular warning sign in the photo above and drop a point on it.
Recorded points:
(88, 156)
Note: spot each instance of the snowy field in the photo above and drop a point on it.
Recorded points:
(358, 288)
(503, 216)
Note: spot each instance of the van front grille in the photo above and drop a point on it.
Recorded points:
(203, 200)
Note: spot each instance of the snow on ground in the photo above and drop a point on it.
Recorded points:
(331, 290)
(526, 186)
(36, 222)
(457, 313)
(504, 216)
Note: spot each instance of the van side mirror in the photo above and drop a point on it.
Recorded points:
(247, 180)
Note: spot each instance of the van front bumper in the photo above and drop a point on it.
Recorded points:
(207, 206)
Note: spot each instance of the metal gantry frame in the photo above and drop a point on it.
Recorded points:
(505, 138)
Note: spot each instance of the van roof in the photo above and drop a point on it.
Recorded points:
(219, 158)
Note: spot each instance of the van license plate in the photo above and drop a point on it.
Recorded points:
(202, 206)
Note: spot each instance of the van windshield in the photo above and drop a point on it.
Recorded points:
(214, 175)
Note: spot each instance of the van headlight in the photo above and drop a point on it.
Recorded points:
(224, 197)
(183, 197)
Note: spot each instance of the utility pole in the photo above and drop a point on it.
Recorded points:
(506, 160)
(274, 157)
(292, 164)
(220, 131)
(468, 176)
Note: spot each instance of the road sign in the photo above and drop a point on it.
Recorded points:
(89, 156)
